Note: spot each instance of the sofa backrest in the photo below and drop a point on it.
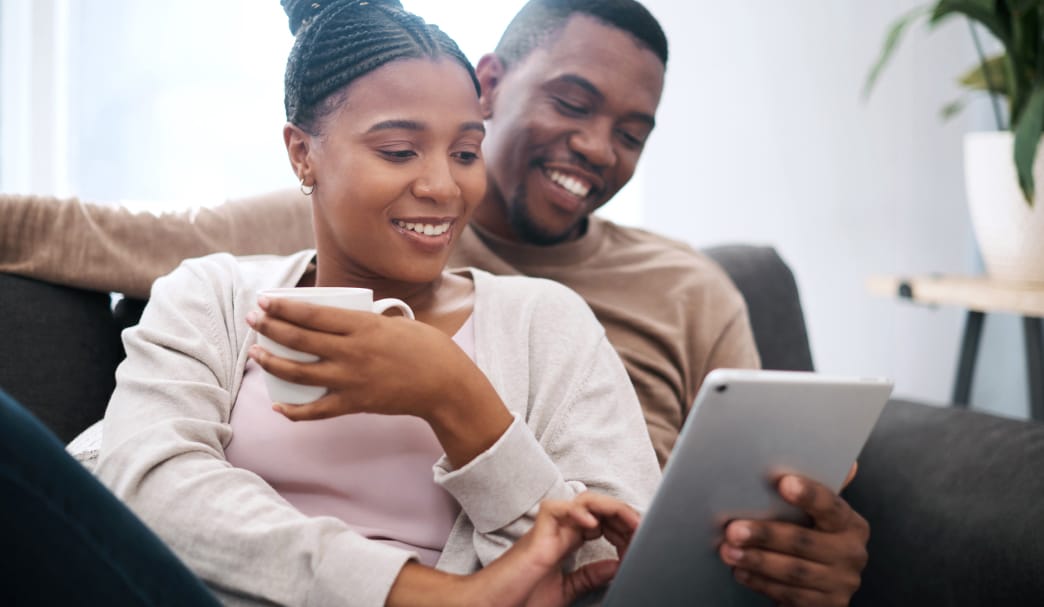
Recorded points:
(61, 345)
(773, 303)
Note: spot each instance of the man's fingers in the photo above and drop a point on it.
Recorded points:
(829, 511)
(851, 475)
(798, 541)
(782, 568)
(782, 594)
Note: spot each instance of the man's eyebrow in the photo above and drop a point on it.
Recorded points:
(593, 90)
(413, 125)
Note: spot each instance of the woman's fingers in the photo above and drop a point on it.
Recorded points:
(325, 319)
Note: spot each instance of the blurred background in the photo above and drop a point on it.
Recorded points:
(764, 137)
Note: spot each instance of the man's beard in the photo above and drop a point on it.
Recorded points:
(523, 225)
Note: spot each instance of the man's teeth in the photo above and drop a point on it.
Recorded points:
(572, 185)
(428, 229)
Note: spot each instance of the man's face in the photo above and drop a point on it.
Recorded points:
(565, 128)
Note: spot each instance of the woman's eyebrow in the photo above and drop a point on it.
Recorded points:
(413, 125)
(407, 125)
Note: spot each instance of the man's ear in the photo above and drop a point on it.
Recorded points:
(490, 71)
(299, 150)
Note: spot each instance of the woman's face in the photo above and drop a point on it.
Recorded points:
(398, 171)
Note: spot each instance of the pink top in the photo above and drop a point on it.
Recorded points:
(374, 472)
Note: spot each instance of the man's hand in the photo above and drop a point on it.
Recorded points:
(794, 565)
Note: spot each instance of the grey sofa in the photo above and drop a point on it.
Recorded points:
(955, 498)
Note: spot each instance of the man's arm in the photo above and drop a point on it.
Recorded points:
(111, 248)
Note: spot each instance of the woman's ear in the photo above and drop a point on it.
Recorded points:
(299, 150)
(490, 71)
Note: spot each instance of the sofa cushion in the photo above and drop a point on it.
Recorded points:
(59, 352)
(955, 501)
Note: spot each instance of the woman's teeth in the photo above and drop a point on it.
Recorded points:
(570, 184)
(428, 229)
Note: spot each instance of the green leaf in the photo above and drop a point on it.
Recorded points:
(953, 108)
(975, 78)
(1019, 6)
(895, 34)
(982, 11)
(1027, 136)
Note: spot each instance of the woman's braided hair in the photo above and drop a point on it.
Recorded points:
(339, 41)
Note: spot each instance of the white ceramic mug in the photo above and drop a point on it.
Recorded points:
(348, 298)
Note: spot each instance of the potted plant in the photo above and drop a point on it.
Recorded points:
(1003, 168)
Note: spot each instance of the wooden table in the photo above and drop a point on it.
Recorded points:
(980, 295)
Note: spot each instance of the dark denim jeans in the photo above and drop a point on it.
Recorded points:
(66, 540)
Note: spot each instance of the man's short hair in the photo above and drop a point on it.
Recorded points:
(540, 20)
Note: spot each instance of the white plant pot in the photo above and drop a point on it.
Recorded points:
(1010, 232)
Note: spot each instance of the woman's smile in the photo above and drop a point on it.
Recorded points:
(429, 234)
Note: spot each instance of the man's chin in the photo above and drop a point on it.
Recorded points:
(530, 231)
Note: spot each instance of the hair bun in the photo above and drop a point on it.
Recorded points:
(303, 12)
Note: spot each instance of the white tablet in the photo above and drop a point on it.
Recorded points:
(746, 429)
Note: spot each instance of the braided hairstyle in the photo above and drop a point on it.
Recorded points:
(540, 20)
(338, 41)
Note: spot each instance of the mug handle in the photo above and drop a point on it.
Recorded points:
(382, 305)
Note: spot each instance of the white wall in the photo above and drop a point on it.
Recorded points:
(765, 138)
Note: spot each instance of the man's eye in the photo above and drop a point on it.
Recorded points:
(569, 108)
(631, 140)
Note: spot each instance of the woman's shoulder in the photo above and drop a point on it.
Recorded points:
(524, 288)
(226, 269)
(527, 297)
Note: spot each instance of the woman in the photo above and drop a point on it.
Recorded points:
(507, 385)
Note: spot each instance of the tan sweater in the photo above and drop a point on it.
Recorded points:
(671, 313)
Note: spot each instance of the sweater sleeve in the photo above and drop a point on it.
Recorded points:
(583, 430)
(107, 247)
(163, 454)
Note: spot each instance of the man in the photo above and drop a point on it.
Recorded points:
(569, 97)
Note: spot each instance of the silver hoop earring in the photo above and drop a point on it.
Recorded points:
(307, 189)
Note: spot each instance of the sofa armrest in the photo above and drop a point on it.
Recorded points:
(59, 352)
(955, 501)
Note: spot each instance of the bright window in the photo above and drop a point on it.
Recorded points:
(173, 102)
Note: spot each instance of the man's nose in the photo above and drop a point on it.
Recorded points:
(594, 141)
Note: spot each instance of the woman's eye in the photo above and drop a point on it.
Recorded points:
(467, 157)
(398, 155)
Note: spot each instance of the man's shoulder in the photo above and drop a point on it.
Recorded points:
(659, 259)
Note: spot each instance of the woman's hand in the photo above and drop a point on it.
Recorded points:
(530, 573)
(386, 365)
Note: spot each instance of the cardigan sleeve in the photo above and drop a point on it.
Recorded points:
(163, 454)
(583, 428)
